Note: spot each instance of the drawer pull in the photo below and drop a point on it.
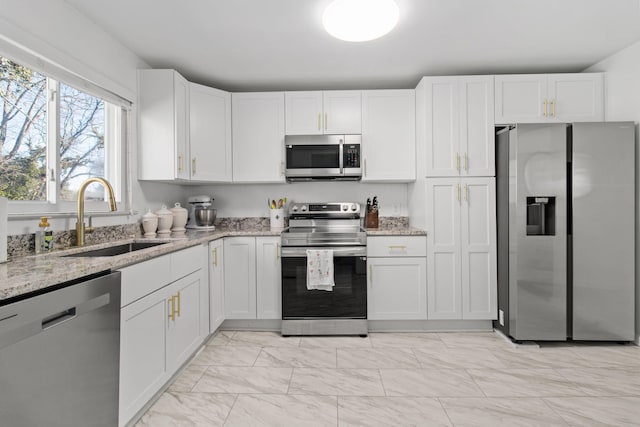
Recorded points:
(397, 247)
(179, 305)
(172, 301)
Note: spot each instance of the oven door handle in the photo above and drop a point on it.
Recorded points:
(347, 251)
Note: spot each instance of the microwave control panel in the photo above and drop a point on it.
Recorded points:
(351, 154)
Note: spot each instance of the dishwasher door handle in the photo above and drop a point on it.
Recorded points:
(22, 326)
(56, 319)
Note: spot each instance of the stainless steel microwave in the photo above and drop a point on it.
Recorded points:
(323, 157)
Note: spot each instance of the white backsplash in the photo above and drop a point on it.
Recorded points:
(250, 200)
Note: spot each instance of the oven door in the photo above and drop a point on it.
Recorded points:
(319, 156)
(347, 300)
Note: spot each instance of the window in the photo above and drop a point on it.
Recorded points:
(53, 136)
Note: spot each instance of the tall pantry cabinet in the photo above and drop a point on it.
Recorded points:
(454, 195)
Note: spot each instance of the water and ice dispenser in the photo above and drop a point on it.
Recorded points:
(541, 216)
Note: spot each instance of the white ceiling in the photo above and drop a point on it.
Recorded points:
(244, 45)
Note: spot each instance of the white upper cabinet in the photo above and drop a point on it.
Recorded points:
(342, 112)
(388, 135)
(164, 121)
(258, 137)
(455, 123)
(303, 113)
(541, 98)
(210, 134)
(185, 129)
(328, 112)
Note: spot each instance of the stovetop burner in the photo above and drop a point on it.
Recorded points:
(324, 224)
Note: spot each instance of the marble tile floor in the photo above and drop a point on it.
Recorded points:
(400, 379)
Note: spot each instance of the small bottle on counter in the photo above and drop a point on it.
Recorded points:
(39, 240)
(44, 236)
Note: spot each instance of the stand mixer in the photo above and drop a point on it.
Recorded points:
(201, 215)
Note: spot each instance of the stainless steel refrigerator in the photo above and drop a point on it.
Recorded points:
(566, 231)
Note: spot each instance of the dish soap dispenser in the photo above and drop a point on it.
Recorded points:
(44, 236)
(39, 237)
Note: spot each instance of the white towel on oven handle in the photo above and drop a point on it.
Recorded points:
(320, 269)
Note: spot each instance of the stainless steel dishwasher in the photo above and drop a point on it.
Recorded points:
(59, 356)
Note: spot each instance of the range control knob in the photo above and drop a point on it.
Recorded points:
(345, 208)
(354, 207)
(303, 208)
(294, 208)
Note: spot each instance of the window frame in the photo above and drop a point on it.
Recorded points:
(116, 152)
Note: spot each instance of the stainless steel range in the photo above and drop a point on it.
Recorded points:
(343, 309)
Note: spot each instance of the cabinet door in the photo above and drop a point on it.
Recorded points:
(478, 249)
(268, 278)
(216, 284)
(576, 97)
(163, 125)
(210, 134)
(388, 135)
(183, 325)
(477, 134)
(521, 98)
(303, 113)
(397, 288)
(142, 352)
(181, 111)
(240, 278)
(342, 112)
(444, 291)
(442, 125)
(258, 137)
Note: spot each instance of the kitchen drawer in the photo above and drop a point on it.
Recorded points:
(396, 246)
(144, 278)
(186, 261)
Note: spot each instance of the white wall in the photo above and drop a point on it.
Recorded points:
(55, 31)
(251, 200)
(622, 103)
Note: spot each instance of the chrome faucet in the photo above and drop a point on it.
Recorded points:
(80, 228)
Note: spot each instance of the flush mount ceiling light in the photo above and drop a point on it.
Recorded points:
(360, 20)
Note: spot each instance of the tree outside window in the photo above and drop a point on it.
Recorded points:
(23, 132)
(31, 107)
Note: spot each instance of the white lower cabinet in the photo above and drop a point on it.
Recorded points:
(240, 278)
(252, 279)
(461, 248)
(161, 330)
(143, 370)
(216, 284)
(268, 278)
(397, 278)
(184, 334)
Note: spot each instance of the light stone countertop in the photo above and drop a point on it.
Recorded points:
(395, 231)
(37, 272)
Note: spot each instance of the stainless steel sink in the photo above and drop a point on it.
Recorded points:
(117, 250)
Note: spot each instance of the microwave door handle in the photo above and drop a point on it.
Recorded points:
(341, 154)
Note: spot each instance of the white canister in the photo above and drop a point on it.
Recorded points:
(180, 216)
(149, 224)
(165, 220)
(276, 219)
